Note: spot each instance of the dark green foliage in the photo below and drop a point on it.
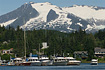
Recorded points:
(6, 56)
(58, 42)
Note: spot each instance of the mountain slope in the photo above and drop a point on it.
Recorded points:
(47, 16)
(24, 12)
(52, 15)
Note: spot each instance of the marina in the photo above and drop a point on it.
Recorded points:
(41, 61)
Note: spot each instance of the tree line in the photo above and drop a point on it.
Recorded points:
(58, 42)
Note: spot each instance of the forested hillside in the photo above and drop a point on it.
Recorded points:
(58, 42)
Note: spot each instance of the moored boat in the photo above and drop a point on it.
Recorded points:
(60, 61)
(94, 62)
(11, 62)
(72, 61)
(45, 61)
(34, 61)
(25, 63)
(3, 63)
(17, 61)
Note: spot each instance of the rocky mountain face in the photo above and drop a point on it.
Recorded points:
(47, 16)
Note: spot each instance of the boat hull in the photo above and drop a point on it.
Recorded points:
(62, 63)
(49, 63)
(3, 64)
(25, 64)
(73, 63)
(36, 64)
(11, 64)
(94, 63)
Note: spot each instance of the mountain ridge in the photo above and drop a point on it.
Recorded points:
(49, 16)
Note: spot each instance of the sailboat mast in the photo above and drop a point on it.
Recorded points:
(25, 42)
(39, 50)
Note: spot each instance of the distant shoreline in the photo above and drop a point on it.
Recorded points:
(90, 61)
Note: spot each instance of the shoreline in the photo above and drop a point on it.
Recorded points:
(90, 61)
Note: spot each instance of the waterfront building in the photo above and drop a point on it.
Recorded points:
(99, 52)
(81, 54)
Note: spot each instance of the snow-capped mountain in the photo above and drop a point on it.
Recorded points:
(47, 16)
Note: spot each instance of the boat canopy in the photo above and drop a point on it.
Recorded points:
(18, 59)
(32, 58)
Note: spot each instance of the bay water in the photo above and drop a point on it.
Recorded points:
(82, 66)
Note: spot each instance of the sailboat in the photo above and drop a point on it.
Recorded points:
(25, 63)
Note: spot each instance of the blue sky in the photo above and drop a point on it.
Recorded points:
(10, 5)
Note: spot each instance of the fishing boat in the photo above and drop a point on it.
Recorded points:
(34, 61)
(72, 61)
(94, 62)
(17, 61)
(45, 61)
(60, 61)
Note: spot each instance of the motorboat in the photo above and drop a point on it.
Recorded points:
(34, 61)
(45, 61)
(3, 63)
(94, 62)
(72, 61)
(60, 61)
(17, 61)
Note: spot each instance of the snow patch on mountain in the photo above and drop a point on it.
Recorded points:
(8, 22)
(44, 8)
(100, 27)
(89, 27)
(86, 12)
(80, 24)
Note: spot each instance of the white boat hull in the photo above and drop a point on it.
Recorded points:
(94, 62)
(61, 63)
(73, 63)
(47, 63)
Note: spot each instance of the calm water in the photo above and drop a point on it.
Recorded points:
(83, 66)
